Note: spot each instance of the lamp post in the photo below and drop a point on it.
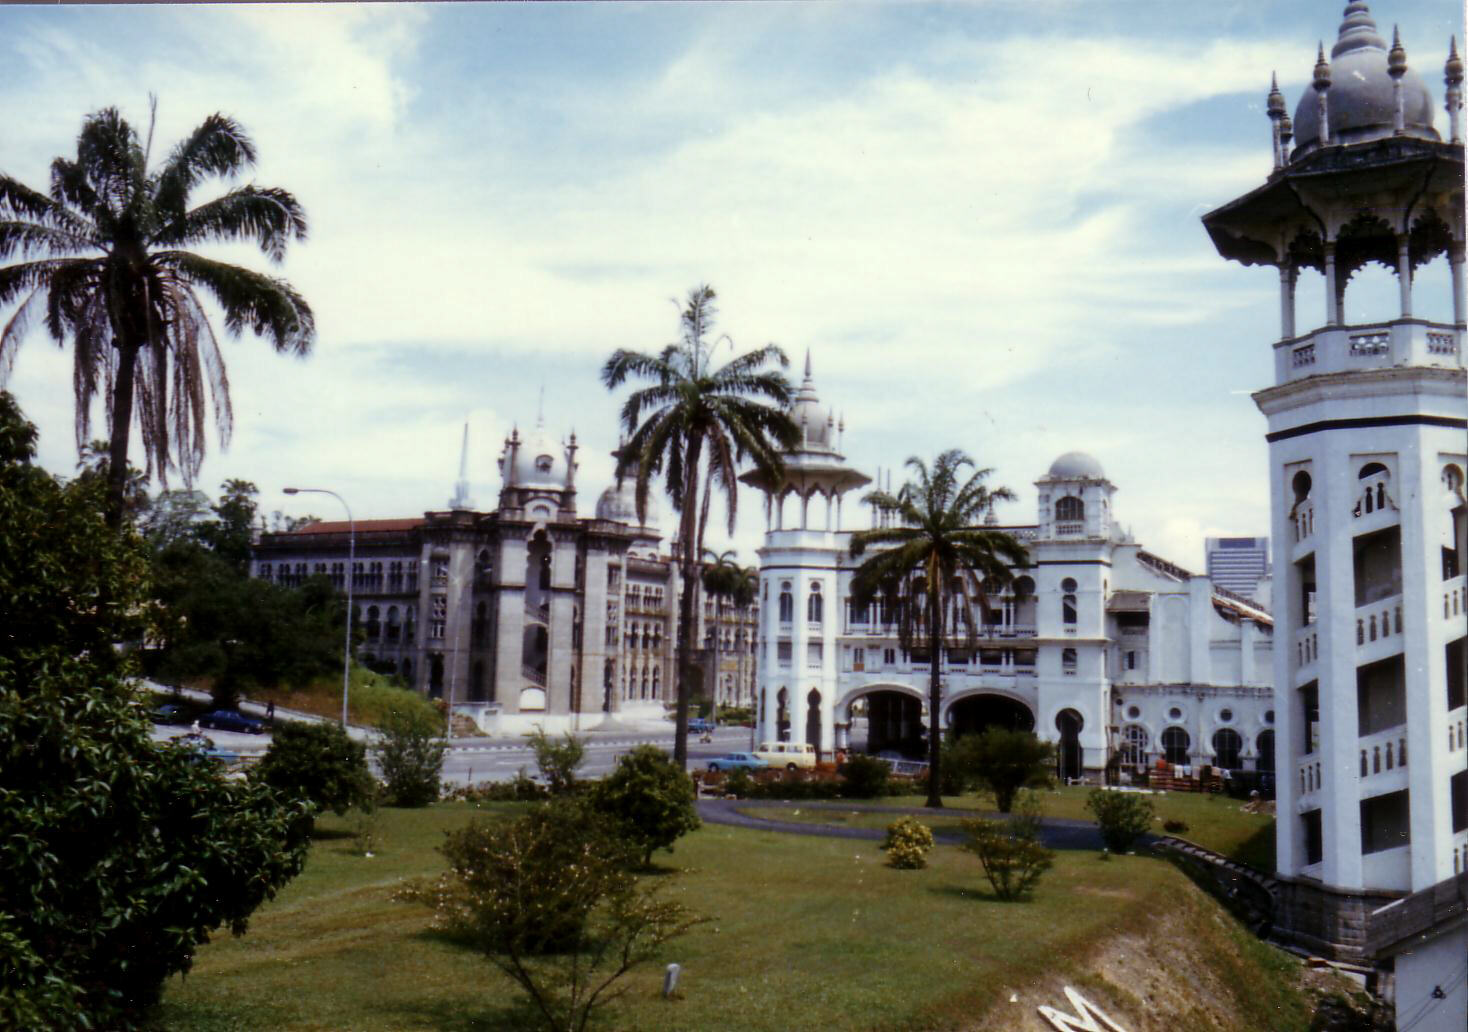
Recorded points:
(351, 569)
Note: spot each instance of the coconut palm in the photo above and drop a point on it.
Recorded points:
(104, 268)
(691, 427)
(933, 566)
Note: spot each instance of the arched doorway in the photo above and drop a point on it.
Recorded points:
(894, 722)
(973, 714)
(435, 676)
(1068, 755)
(1227, 745)
(1265, 747)
(813, 720)
(782, 715)
(1175, 743)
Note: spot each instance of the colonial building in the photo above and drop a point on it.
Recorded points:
(1366, 432)
(1101, 647)
(529, 614)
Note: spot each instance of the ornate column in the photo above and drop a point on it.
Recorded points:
(1286, 300)
(1332, 296)
(1404, 274)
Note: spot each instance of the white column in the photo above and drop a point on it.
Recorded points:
(1286, 301)
(1332, 298)
(1404, 270)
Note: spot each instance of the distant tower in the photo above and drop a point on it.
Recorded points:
(799, 616)
(461, 502)
(1366, 432)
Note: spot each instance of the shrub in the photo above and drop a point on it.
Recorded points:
(519, 789)
(549, 899)
(1003, 761)
(319, 763)
(907, 844)
(1175, 827)
(1010, 851)
(557, 760)
(866, 776)
(1123, 817)
(739, 783)
(410, 757)
(650, 798)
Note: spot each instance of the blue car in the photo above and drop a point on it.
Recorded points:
(701, 726)
(231, 720)
(737, 761)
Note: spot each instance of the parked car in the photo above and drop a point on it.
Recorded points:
(702, 726)
(231, 720)
(170, 713)
(203, 750)
(737, 761)
(790, 755)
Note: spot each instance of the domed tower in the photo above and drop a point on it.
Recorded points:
(538, 474)
(799, 597)
(1366, 432)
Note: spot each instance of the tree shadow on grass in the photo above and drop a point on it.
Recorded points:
(467, 1014)
(972, 893)
(330, 834)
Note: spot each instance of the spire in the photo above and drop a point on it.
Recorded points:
(461, 502)
(807, 364)
(1358, 30)
(1396, 58)
(1275, 107)
(1453, 98)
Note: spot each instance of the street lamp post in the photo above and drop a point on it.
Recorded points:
(351, 569)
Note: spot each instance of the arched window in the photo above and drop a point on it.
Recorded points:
(410, 624)
(1175, 742)
(1068, 660)
(787, 603)
(394, 624)
(814, 605)
(1134, 745)
(1070, 509)
(657, 687)
(374, 625)
(1226, 747)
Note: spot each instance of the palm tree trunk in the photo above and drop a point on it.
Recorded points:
(688, 532)
(935, 798)
(122, 420)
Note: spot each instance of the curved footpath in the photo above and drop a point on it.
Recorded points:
(1055, 832)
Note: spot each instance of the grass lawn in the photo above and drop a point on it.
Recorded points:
(806, 933)
(1215, 822)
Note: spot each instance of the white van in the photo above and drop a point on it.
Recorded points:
(790, 755)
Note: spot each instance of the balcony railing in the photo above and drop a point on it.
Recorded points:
(1307, 646)
(1308, 771)
(1384, 751)
(534, 676)
(1455, 600)
(1377, 620)
(1338, 349)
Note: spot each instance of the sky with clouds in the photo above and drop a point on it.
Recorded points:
(981, 219)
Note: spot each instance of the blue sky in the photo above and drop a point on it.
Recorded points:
(981, 218)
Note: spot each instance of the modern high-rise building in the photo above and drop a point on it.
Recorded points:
(1368, 443)
(1238, 564)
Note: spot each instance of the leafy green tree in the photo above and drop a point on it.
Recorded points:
(105, 266)
(173, 517)
(1003, 761)
(319, 763)
(1123, 817)
(933, 566)
(866, 776)
(410, 753)
(1010, 851)
(558, 761)
(230, 534)
(692, 426)
(120, 855)
(549, 899)
(650, 798)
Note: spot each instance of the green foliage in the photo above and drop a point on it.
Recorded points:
(229, 534)
(734, 715)
(650, 799)
(120, 856)
(557, 760)
(319, 763)
(410, 755)
(866, 776)
(907, 844)
(1123, 817)
(739, 783)
(519, 789)
(1004, 762)
(1010, 851)
(549, 899)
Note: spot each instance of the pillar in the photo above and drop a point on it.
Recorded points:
(1404, 272)
(1455, 260)
(1286, 301)
(1332, 298)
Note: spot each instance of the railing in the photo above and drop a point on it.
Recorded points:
(1373, 496)
(1307, 646)
(1336, 349)
(1455, 598)
(1309, 774)
(1069, 529)
(1380, 619)
(1456, 730)
(1383, 751)
(534, 676)
(1304, 522)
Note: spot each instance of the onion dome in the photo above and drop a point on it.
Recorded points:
(619, 503)
(1275, 104)
(1361, 91)
(540, 461)
(1076, 466)
(815, 422)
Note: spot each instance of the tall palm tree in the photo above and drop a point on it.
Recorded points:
(105, 268)
(692, 426)
(933, 566)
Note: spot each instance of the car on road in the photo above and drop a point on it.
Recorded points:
(169, 713)
(232, 720)
(737, 761)
(790, 755)
(702, 726)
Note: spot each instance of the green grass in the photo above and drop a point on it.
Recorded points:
(805, 933)
(1214, 822)
(369, 699)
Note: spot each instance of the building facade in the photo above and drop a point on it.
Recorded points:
(529, 614)
(1107, 650)
(1239, 564)
(1367, 432)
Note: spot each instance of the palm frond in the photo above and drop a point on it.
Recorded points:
(219, 146)
(268, 216)
(270, 307)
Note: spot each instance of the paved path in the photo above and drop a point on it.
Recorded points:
(1055, 832)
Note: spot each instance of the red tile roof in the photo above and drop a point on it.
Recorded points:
(363, 526)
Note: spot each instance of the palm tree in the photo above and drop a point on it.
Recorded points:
(934, 565)
(693, 426)
(105, 269)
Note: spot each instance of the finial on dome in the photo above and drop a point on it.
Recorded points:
(1396, 58)
(1275, 105)
(1358, 30)
(1453, 68)
(1322, 70)
(1286, 131)
(1453, 99)
(807, 363)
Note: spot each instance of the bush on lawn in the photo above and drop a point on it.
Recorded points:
(519, 789)
(1002, 761)
(319, 763)
(1009, 850)
(650, 800)
(907, 844)
(557, 760)
(549, 898)
(738, 783)
(794, 786)
(866, 776)
(1123, 817)
(410, 757)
